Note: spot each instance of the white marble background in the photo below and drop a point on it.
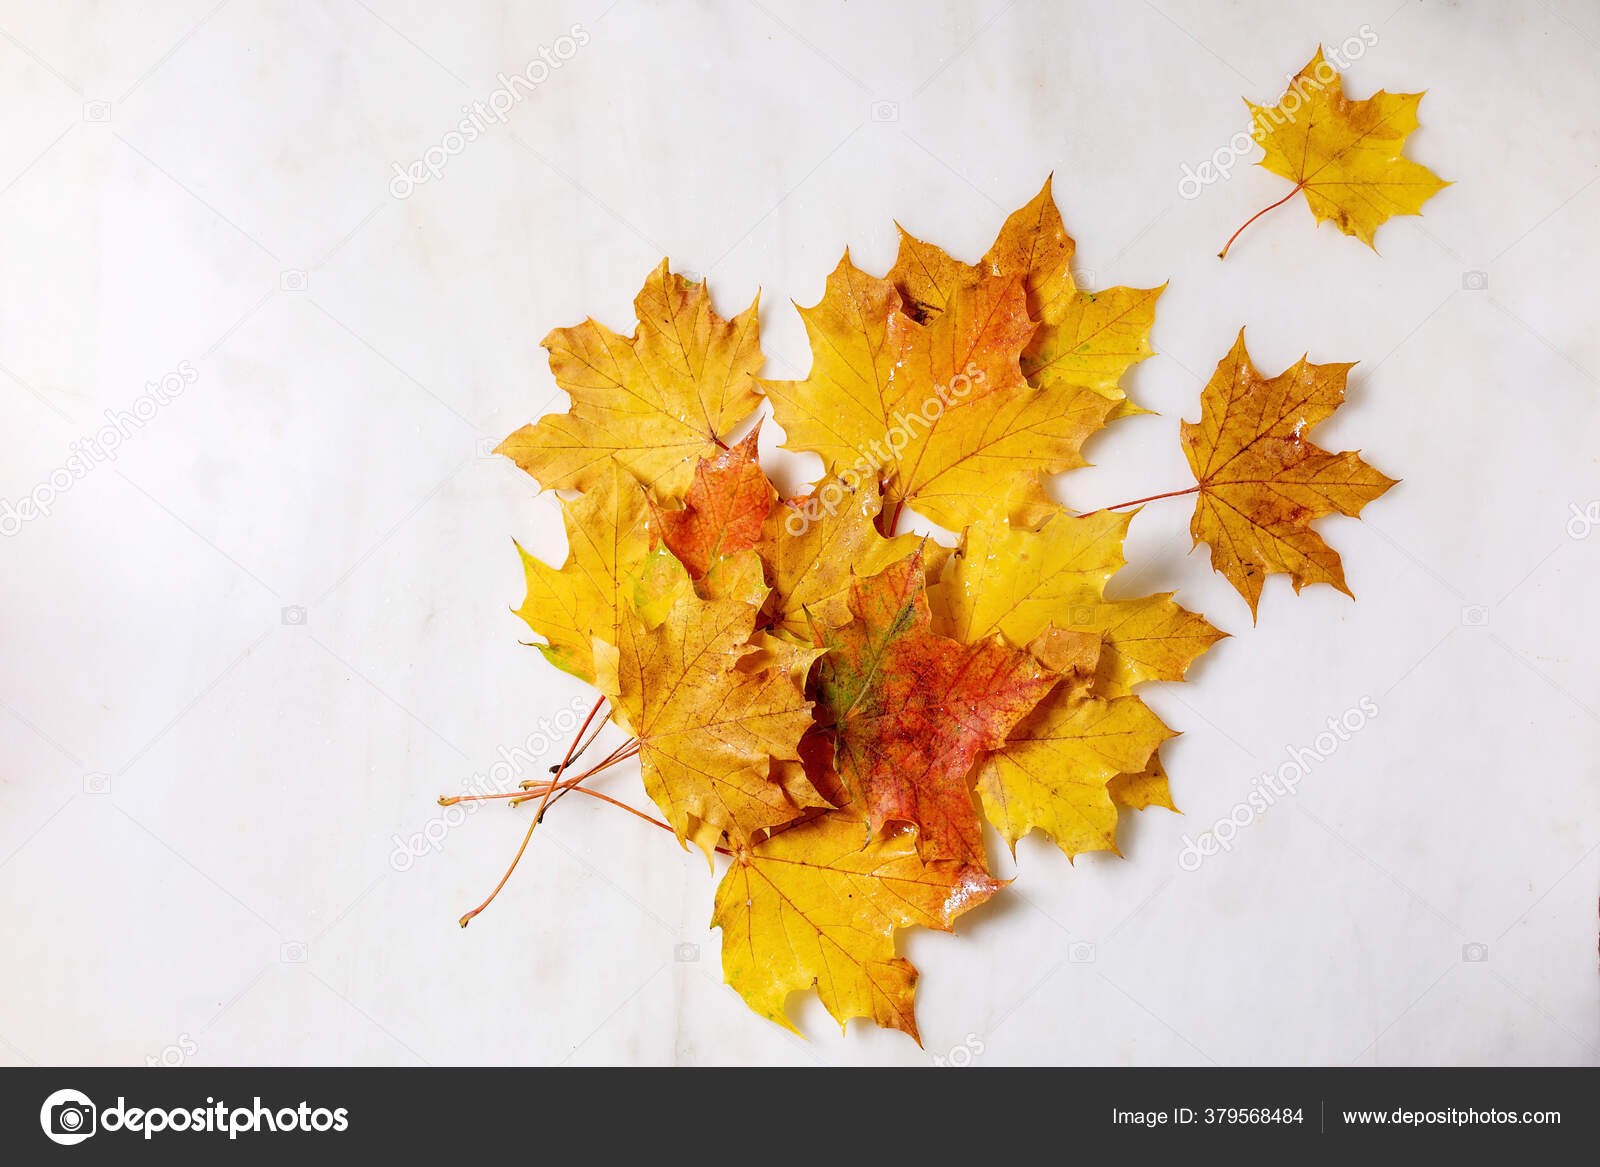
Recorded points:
(200, 797)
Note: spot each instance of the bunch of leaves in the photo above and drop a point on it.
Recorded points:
(834, 707)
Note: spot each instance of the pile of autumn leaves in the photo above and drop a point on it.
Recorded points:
(836, 706)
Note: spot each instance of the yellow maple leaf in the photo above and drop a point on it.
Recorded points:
(819, 903)
(1017, 582)
(939, 412)
(1346, 155)
(1143, 790)
(654, 402)
(1262, 481)
(609, 574)
(1056, 767)
(812, 545)
(1045, 588)
(1086, 341)
(708, 723)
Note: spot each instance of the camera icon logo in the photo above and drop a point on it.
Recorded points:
(686, 953)
(1081, 953)
(97, 111)
(885, 111)
(292, 952)
(294, 614)
(1081, 614)
(293, 280)
(1475, 281)
(97, 783)
(68, 1117)
(1475, 616)
(1475, 953)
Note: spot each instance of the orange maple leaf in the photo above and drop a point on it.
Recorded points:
(910, 710)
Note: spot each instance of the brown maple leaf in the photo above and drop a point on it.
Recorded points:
(1262, 481)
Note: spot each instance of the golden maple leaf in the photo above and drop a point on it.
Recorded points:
(1143, 790)
(1262, 481)
(1045, 589)
(1085, 340)
(1054, 771)
(609, 573)
(1008, 579)
(1346, 155)
(939, 412)
(818, 904)
(813, 546)
(709, 723)
(653, 402)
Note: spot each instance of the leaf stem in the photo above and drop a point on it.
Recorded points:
(537, 818)
(1135, 502)
(556, 768)
(1223, 254)
(894, 520)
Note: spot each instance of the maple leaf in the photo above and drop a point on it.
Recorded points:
(909, 710)
(1085, 341)
(1055, 770)
(1009, 580)
(708, 728)
(1262, 482)
(608, 574)
(1045, 588)
(653, 402)
(819, 903)
(1345, 155)
(1149, 787)
(812, 548)
(724, 510)
(940, 412)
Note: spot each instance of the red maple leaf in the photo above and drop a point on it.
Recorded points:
(910, 710)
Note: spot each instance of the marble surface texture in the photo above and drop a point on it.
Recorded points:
(244, 654)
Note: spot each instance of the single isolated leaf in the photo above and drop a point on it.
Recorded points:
(1262, 482)
(814, 546)
(1345, 155)
(709, 728)
(609, 574)
(910, 711)
(653, 402)
(812, 906)
(723, 512)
